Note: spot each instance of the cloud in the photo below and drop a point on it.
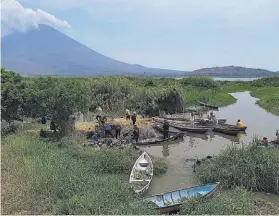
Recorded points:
(14, 17)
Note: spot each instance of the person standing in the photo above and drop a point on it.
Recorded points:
(117, 131)
(166, 127)
(136, 133)
(134, 118)
(128, 114)
(99, 113)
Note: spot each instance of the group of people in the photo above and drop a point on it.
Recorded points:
(276, 141)
(132, 117)
(112, 130)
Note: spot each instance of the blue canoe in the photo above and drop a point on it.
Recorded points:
(170, 201)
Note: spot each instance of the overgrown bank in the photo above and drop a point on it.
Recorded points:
(266, 89)
(233, 202)
(63, 177)
(252, 167)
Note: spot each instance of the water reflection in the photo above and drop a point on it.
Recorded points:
(180, 173)
(166, 150)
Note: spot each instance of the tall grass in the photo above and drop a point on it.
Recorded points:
(251, 167)
(234, 202)
(62, 177)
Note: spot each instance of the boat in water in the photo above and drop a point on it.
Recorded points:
(160, 139)
(142, 173)
(170, 201)
(208, 105)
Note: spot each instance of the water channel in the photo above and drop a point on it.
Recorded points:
(180, 173)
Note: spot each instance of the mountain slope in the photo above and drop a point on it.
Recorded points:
(48, 51)
(232, 71)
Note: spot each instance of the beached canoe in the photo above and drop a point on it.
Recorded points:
(186, 127)
(172, 131)
(206, 121)
(142, 173)
(170, 201)
(156, 140)
(176, 117)
(208, 105)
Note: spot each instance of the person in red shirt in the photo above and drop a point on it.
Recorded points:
(265, 140)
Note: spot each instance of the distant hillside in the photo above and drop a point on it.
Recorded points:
(231, 71)
(46, 51)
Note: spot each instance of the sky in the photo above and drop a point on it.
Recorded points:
(172, 34)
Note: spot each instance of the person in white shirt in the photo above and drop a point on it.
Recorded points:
(99, 113)
(128, 114)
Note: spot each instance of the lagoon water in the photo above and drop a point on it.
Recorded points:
(180, 172)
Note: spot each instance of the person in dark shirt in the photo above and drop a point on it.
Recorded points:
(166, 127)
(117, 131)
(108, 129)
(134, 118)
(136, 133)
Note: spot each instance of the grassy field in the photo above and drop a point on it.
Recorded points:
(63, 177)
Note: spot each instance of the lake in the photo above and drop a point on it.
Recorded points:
(180, 172)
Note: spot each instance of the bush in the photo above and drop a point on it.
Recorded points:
(252, 167)
(266, 82)
(12, 127)
(200, 82)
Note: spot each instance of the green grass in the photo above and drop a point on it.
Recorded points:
(269, 98)
(233, 202)
(251, 167)
(40, 177)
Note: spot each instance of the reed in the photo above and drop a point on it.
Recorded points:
(251, 167)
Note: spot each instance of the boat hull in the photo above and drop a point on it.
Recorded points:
(164, 201)
(208, 105)
(155, 141)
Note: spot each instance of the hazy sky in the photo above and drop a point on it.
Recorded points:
(175, 34)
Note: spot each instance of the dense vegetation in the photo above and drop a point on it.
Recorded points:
(40, 177)
(252, 167)
(62, 176)
(61, 98)
(235, 202)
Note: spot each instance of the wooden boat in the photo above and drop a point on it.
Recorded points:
(205, 121)
(156, 140)
(170, 201)
(177, 118)
(208, 105)
(226, 130)
(235, 127)
(172, 131)
(186, 127)
(142, 173)
(199, 130)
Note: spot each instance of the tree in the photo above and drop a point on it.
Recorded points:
(11, 96)
(57, 98)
